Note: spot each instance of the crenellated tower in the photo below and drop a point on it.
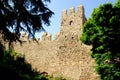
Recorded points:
(71, 24)
(73, 20)
(65, 55)
(70, 28)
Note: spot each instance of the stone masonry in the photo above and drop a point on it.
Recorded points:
(64, 56)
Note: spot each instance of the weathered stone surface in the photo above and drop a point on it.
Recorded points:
(65, 55)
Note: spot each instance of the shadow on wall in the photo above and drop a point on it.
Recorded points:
(15, 67)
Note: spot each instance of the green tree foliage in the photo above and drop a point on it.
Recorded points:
(23, 15)
(17, 16)
(102, 31)
(15, 67)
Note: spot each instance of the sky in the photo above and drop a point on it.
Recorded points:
(57, 6)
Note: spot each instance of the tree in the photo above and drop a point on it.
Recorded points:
(23, 15)
(17, 16)
(15, 67)
(102, 31)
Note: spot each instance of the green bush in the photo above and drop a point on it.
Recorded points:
(15, 67)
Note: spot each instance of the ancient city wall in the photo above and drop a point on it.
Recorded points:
(65, 55)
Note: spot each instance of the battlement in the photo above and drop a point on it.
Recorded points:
(72, 10)
(46, 36)
(71, 22)
(65, 55)
(24, 36)
(80, 9)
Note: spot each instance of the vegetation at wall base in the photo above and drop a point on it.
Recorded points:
(16, 68)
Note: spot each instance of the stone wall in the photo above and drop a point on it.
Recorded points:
(65, 55)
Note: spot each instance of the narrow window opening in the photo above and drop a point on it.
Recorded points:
(71, 23)
(72, 37)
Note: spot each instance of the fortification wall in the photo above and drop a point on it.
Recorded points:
(65, 55)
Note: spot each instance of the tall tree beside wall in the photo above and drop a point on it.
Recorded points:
(17, 16)
(102, 32)
(23, 15)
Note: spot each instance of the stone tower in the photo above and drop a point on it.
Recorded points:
(72, 20)
(64, 56)
(71, 24)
